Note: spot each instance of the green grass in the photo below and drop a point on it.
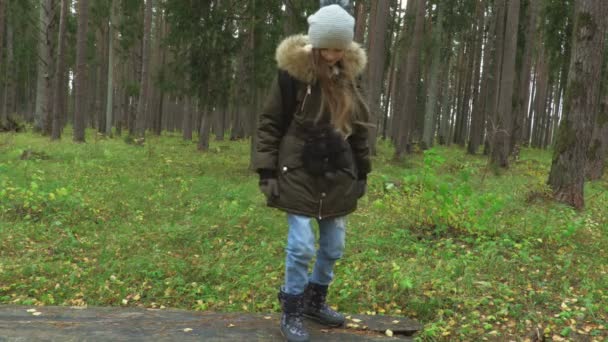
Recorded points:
(439, 237)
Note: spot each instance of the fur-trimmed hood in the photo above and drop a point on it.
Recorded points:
(293, 56)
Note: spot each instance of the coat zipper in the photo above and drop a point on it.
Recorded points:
(323, 194)
(320, 208)
(308, 92)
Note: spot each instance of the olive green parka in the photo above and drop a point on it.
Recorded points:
(279, 149)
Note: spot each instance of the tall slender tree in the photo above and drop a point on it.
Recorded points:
(59, 90)
(478, 115)
(361, 20)
(410, 81)
(80, 79)
(5, 74)
(110, 90)
(501, 141)
(3, 114)
(44, 67)
(437, 41)
(379, 16)
(567, 174)
(140, 121)
(524, 75)
(598, 150)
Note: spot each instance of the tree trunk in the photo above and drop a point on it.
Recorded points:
(430, 116)
(444, 124)
(377, 61)
(142, 104)
(598, 150)
(540, 101)
(10, 76)
(501, 141)
(252, 105)
(3, 114)
(110, 89)
(523, 97)
(361, 19)
(43, 67)
(461, 74)
(187, 119)
(102, 78)
(478, 116)
(469, 73)
(219, 119)
(530, 111)
(160, 64)
(59, 92)
(567, 174)
(551, 115)
(50, 73)
(410, 83)
(492, 109)
(2, 21)
(205, 129)
(290, 19)
(80, 79)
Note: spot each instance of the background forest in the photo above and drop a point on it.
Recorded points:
(486, 112)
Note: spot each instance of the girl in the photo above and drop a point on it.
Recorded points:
(313, 158)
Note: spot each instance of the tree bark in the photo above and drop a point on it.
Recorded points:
(540, 101)
(110, 90)
(599, 141)
(523, 97)
(218, 121)
(530, 112)
(501, 141)
(101, 85)
(567, 174)
(205, 129)
(492, 109)
(80, 79)
(142, 104)
(361, 19)
(43, 96)
(377, 61)
(468, 76)
(478, 115)
(160, 58)
(187, 119)
(430, 116)
(3, 114)
(444, 124)
(59, 91)
(410, 83)
(10, 77)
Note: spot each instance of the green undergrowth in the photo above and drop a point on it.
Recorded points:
(440, 237)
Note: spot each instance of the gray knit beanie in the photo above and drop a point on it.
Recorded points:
(331, 27)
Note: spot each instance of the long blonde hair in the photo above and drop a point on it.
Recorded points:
(340, 97)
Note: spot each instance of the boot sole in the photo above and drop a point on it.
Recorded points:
(318, 320)
(287, 339)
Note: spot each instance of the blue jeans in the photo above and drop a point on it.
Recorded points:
(301, 249)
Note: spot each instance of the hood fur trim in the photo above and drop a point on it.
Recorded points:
(293, 56)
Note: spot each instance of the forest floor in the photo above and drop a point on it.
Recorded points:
(440, 237)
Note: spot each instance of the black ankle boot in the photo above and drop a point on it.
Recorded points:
(292, 326)
(316, 308)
